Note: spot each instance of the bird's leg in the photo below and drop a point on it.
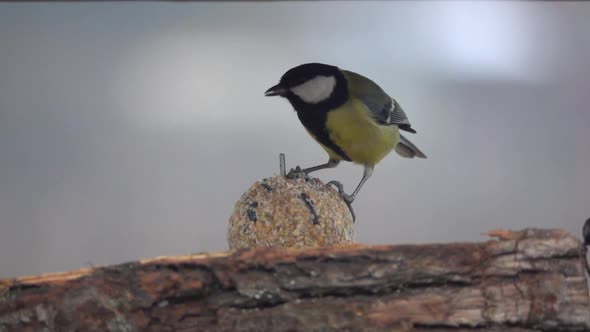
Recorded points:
(368, 171)
(330, 164)
(350, 198)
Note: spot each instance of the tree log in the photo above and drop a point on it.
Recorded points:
(530, 280)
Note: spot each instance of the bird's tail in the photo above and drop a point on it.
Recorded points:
(407, 149)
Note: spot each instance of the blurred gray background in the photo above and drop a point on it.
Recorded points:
(129, 130)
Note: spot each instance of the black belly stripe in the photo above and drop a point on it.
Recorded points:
(315, 122)
(314, 116)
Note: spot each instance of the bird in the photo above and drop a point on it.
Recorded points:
(349, 115)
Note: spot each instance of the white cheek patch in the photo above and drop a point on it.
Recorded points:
(315, 90)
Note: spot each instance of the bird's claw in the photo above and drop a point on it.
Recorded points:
(295, 173)
(345, 197)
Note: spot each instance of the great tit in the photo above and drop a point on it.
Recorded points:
(349, 115)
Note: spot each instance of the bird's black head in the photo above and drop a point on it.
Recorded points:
(312, 85)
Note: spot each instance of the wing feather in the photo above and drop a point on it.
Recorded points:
(384, 109)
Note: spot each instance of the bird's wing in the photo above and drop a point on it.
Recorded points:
(398, 117)
(384, 109)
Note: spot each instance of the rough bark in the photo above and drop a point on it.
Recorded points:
(531, 280)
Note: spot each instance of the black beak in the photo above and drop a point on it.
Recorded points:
(276, 90)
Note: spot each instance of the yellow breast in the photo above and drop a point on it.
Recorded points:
(358, 135)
